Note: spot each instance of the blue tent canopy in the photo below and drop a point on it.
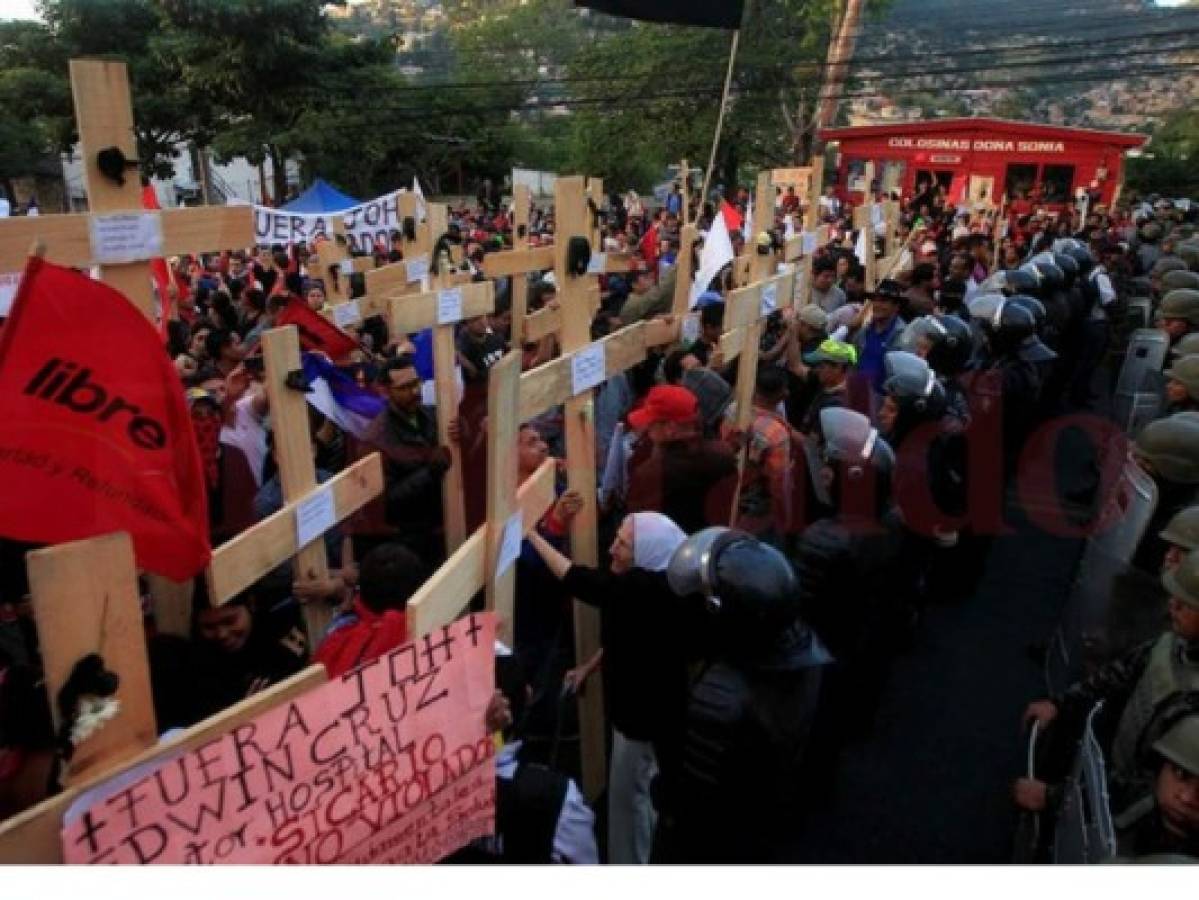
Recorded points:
(321, 197)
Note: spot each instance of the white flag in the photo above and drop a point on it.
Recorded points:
(422, 209)
(716, 253)
(859, 249)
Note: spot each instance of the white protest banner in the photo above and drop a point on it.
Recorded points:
(373, 222)
(365, 225)
(278, 226)
(390, 763)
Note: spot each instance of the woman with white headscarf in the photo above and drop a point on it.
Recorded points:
(644, 665)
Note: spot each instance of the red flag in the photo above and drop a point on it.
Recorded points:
(649, 247)
(732, 218)
(316, 332)
(96, 437)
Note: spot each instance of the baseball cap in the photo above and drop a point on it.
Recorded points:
(888, 289)
(707, 298)
(665, 403)
(813, 316)
(833, 352)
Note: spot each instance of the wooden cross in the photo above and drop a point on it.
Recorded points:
(85, 594)
(104, 116)
(815, 192)
(864, 219)
(336, 265)
(520, 280)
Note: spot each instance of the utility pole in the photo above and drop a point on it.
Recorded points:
(836, 72)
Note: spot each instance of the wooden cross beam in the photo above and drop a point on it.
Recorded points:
(117, 227)
(520, 280)
(572, 220)
(336, 265)
(815, 192)
(85, 600)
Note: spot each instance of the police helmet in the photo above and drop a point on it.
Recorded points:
(1006, 324)
(747, 584)
(1079, 251)
(947, 339)
(1068, 265)
(1171, 447)
(1180, 744)
(1033, 305)
(1051, 275)
(1180, 279)
(913, 385)
(1185, 370)
(1181, 304)
(1187, 345)
(1183, 529)
(1167, 264)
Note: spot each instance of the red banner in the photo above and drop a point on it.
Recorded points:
(316, 332)
(390, 763)
(96, 435)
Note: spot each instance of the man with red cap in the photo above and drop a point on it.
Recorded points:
(685, 477)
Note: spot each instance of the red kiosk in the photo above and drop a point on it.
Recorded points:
(980, 160)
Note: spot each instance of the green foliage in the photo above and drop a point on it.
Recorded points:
(1170, 165)
(533, 83)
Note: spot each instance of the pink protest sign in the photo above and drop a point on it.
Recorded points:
(389, 764)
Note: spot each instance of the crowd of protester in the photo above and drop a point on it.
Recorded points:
(736, 664)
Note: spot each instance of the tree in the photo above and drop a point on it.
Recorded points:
(1169, 166)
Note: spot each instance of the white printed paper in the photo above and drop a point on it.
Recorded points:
(417, 269)
(346, 267)
(587, 368)
(126, 237)
(510, 543)
(597, 264)
(690, 329)
(809, 243)
(346, 314)
(314, 516)
(8, 290)
(770, 298)
(449, 306)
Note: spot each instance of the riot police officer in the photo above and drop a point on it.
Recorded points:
(1012, 380)
(730, 788)
(847, 566)
(1168, 451)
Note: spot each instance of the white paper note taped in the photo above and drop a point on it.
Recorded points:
(417, 269)
(587, 368)
(8, 290)
(449, 306)
(314, 516)
(770, 298)
(345, 314)
(510, 543)
(126, 237)
(809, 243)
(597, 264)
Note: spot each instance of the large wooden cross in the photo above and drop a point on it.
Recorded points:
(104, 116)
(336, 265)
